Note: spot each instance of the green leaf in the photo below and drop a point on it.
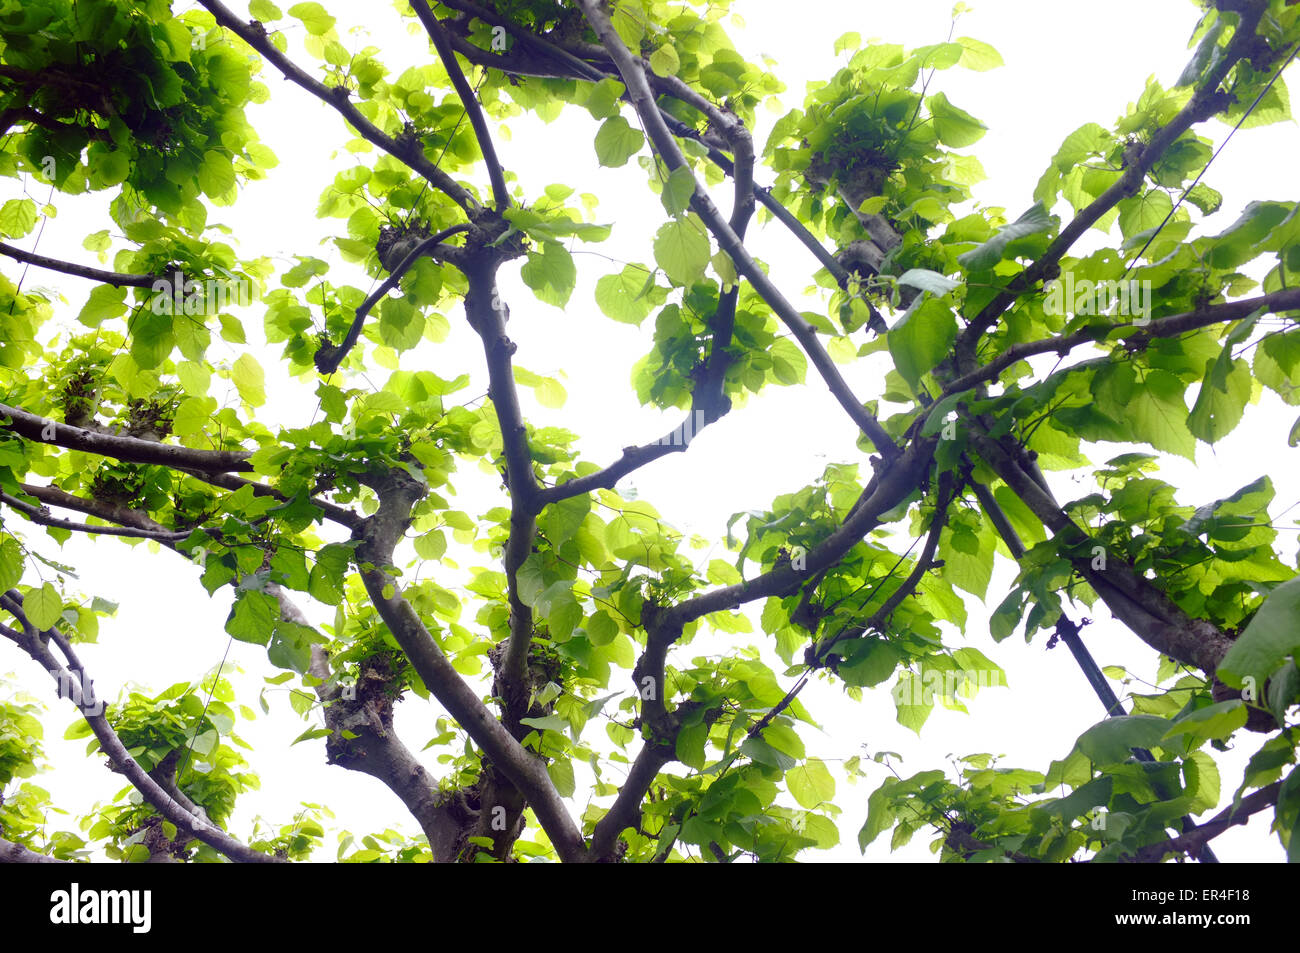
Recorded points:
(105, 302)
(253, 616)
(870, 662)
(1272, 634)
(313, 17)
(547, 723)
(690, 745)
(110, 168)
(216, 175)
(551, 274)
(43, 606)
(401, 326)
(1033, 222)
(788, 362)
(922, 338)
(1218, 411)
(977, 55)
(11, 563)
(264, 10)
(601, 628)
(678, 190)
(762, 752)
(326, 579)
(17, 217)
(811, 784)
(1213, 721)
(616, 142)
(561, 773)
(630, 295)
(1112, 740)
(192, 415)
(954, 127)
(249, 380)
(665, 61)
(682, 250)
(930, 281)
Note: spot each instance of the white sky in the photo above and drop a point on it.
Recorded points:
(1064, 66)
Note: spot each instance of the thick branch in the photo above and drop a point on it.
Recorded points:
(115, 278)
(27, 114)
(889, 488)
(625, 812)
(11, 853)
(397, 494)
(487, 315)
(228, 481)
(210, 466)
(371, 747)
(129, 449)
(1147, 611)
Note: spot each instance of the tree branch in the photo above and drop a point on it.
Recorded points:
(473, 108)
(210, 466)
(129, 449)
(379, 535)
(330, 356)
(1191, 841)
(1170, 326)
(643, 100)
(1134, 600)
(115, 278)
(41, 515)
(27, 114)
(35, 646)
(11, 853)
(626, 809)
(1204, 103)
(412, 154)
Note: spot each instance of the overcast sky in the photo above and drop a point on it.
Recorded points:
(1065, 65)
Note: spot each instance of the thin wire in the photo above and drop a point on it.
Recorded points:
(189, 749)
(1262, 93)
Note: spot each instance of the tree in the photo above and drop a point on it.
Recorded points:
(1003, 351)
